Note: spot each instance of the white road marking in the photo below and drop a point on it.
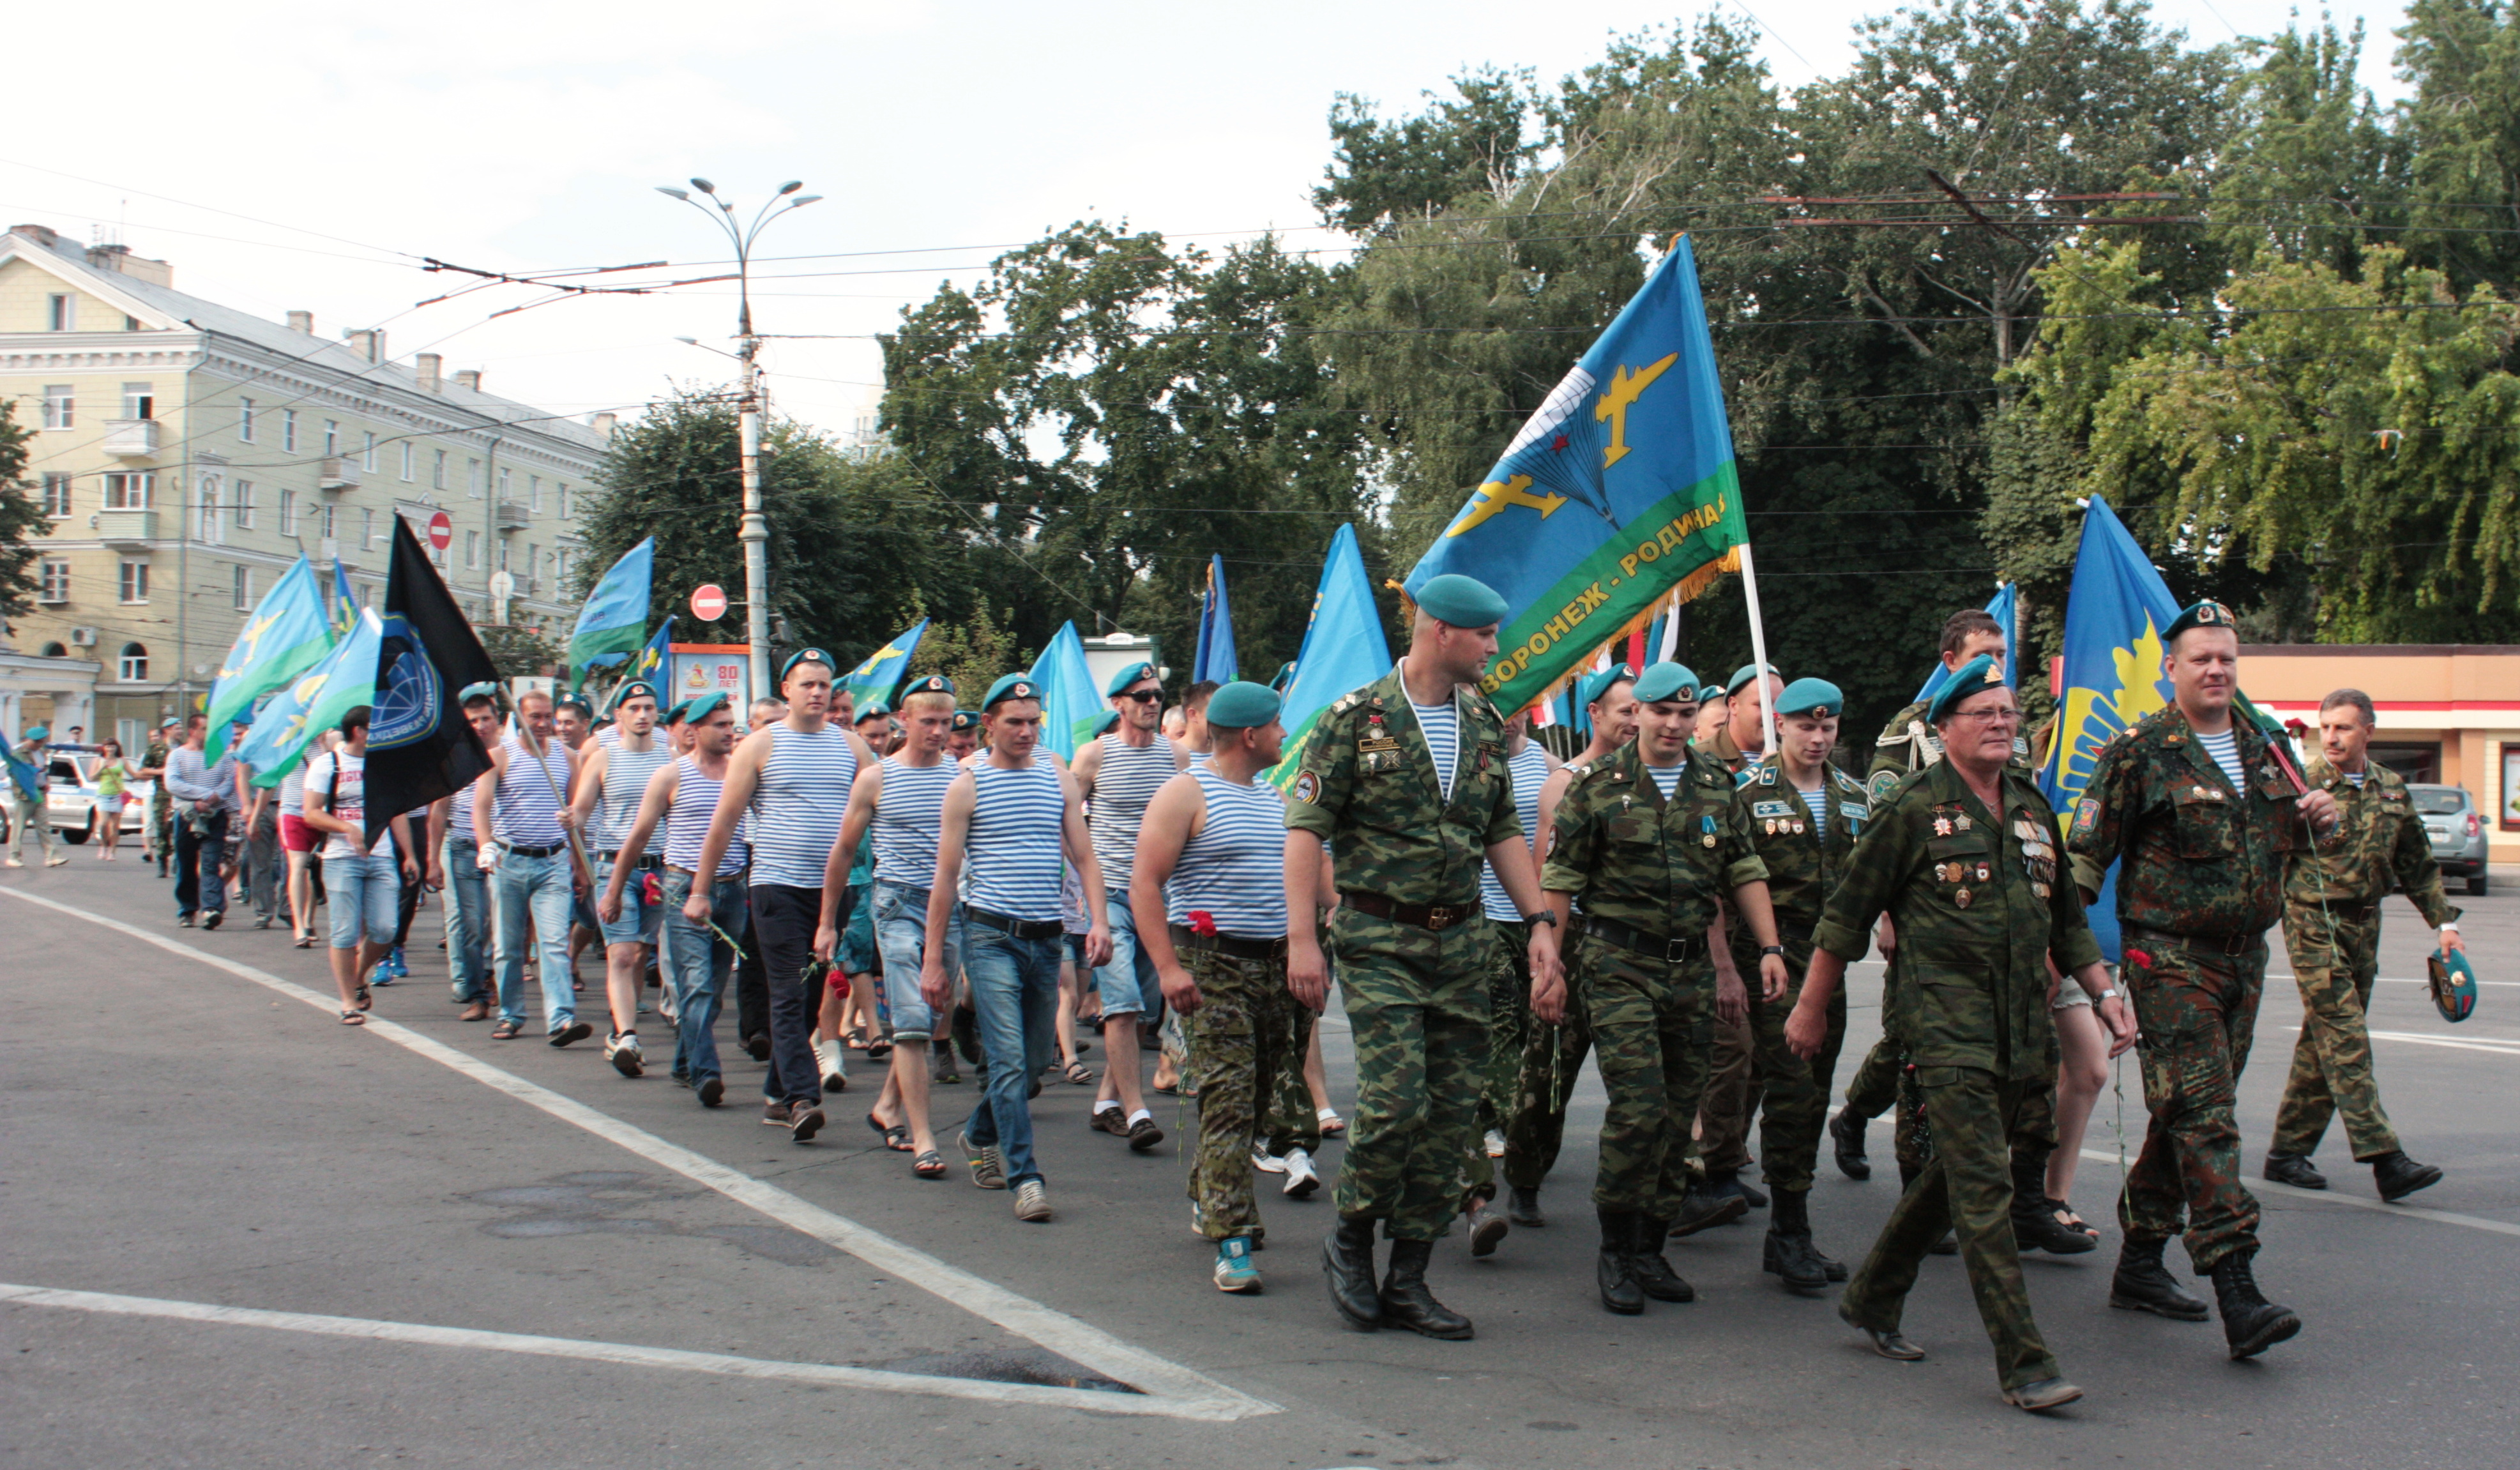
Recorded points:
(630, 1355)
(2492, 1044)
(2438, 1217)
(1167, 1386)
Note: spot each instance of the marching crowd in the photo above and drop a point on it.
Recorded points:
(1677, 901)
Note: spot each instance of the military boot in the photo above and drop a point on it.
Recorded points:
(1347, 1260)
(1654, 1275)
(2143, 1284)
(2035, 1226)
(1406, 1300)
(1612, 1269)
(1488, 1229)
(1846, 1136)
(2296, 1170)
(1522, 1207)
(2398, 1175)
(2251, 1323)
(1788, 1254)
(1702, 1208)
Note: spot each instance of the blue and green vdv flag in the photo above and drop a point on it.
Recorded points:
(1343, 650)
(286, 634)
(346, 603)
(1618, 494)
(1069, 701)
(881, 673)
(613, 623)
(314, 702)
(654, 663)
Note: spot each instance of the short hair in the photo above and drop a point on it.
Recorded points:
(775, 708)
(489, 700)
(928, 700)
(1965, 624)
(195, 718)
(356, 719)
(2355, 698)
(524, 694)
(1196, 699)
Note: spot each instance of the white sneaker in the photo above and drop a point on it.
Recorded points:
(835, 1078)
(1494, 1144)
(13, 863)
(1032, 1201)
(1197, 1221)
(1301, 1177)
(1267, 1162)
(623, 1052)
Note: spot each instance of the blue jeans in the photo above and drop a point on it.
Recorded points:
(700, 961)
(1128, 985)
(1015, 987)
(638, 921)
(467, 918)
(901, 937)
(363, 894)
(533, 890)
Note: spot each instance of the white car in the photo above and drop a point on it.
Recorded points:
(72, 800)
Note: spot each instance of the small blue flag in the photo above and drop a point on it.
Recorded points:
(346, 603)
(881, 672)
(1215, 658)
(1069, 701)
(613, 623)
(286, 635)
(1343, 648)
(314, 702)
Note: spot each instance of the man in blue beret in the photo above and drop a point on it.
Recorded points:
(615, 775)
(1721, 1146)
(962, 737)
(1529, 765)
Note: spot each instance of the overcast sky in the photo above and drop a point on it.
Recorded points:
(342, 144)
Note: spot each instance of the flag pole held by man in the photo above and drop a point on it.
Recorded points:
(420, 745)
(286, 634)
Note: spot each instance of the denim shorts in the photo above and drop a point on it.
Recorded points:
(363, 893)
(1128, 984)
(640, 920)
(901, 934)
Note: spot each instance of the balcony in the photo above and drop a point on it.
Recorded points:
(127, 528)
(513, 516)
(133, 438)
(337, 472)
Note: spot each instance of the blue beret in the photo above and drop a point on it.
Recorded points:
(1242, 705)
(1974, 677)
(1666, 681)
(1104, 723)
(1593, 685)
(697, 710)
(575, 701)
(1742, 676)
(1010, 686)
(966, 719)
(2205, 614)
(632, 689)
(806, 656)
(487, 689)
(932, 683)
(1810, 696)
(1711, 692)
(675, 715)
(40, 732)
(1127, 677)
(876, 709)
(1286, 676)
(1462, 602)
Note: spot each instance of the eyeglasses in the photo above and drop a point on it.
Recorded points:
(1144, 696)
(1990, 716)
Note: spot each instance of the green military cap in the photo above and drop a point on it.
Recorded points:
(632, 689)
(1242, 705)
(1593, 685)
(1010, 686)
(1743, 675)
(806, 656)
(934, 684)
(697, 710)
(2205, 614)
(966, 719)
(1127, 677)
(1974, 677)
(1462, 602)
(1666, 681)
(1810, 696)
(1104, 723)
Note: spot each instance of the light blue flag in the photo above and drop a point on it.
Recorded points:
(654, 663)
(346, 603)
(1343, 648)
(313, 703)
(1618, 490)
(1215, 658)
(2002, 609)
(881, 672)
(28, 779)
(613, 623)
(1069, 701)
(286, 635)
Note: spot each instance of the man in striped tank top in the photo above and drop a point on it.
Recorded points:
(468, 887)
(1509, 987)
(683, 794)
(793, 779)
(1119, 774)
(520, 810)
(617, 775)
(1013, 815)
(1209, 895)
(901, 798)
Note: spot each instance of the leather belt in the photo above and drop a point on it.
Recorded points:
(736, 876)
(1185, 938)
(522, 851)
(645, 859)
(1636, 941)
(2232, 945)
(1035, 929)
(1435, 916)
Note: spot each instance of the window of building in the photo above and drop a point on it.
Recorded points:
(61, 407)
(289, 430)
(504, 483)
(243, 588)
(332, 438)
(138, 401)
(533, 566)
(288, 511)
(564, 500)
(534, 489)
(243, 498)
(367, 529)
(244, 420)
(130, 323)
(134, 664)
(130, 490)
(135, 583)
(559, 571)
(503, 553)
(61, 650)
(328, 522)
(62, 312)
(410, 460)
(54, 582)
(473, 479)
(472, 551)
(368, 595)
(212, 527)
(437, 471)
(56, 494)
(368, 457)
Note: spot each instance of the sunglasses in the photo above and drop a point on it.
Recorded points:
(1144, 696)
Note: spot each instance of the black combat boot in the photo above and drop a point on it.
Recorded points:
(2143, 1284)
(1721, 1181)
(1788, 1254)
(2035, 1226)
(2296, 1170)
(1522, 1207)
(1347, 1260)
(1654, 1275)
(1846, 1135)
(1702, 1208)
(2251, 1323)
(1612, 1269)
(2399, 1176)
(1406, 1300)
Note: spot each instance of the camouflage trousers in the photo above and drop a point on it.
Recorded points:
(1885, 1082)
(1417, 1008)
(1551, 1057)
(1508, 1029)
(1734, 1091)
(2196, 1012)
(1248, 1035)
(1653, 1023)
(1966, 1187)
(1794, 1093)
(2331, 1062)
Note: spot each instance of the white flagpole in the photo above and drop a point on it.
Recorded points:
(1758, 647)
(1670, 632)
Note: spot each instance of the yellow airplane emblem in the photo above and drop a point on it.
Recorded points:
(254, 629)
(1493, 497)
(1626, 387)
(874, 658)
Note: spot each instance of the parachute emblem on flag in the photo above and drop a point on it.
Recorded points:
(2092, 718)
(409, 696)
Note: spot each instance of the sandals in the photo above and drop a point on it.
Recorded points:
(855, 1039)
(353, 1018)
(305, 941)
(2063, 1213)
(506, 1031)
(896, 1137)
(1081, 1075)
(928, 1166)
(1331, 1123)
(365, 999)
(879, 1049)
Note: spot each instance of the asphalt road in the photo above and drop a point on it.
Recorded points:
(235, 1233)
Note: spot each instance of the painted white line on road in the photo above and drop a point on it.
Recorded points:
(2495, 1044)
(630, 1355)
(1173, 1390)
(2419, 1212)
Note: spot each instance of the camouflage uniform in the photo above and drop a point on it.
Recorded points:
(161, 814)
(2201, 882)
(1249, 1034)
(1979, 905)
(2331, 921)
(1509, 1028)
(1414, 986)
(1551, 1057)
(1734, 1093)
(1642, 863)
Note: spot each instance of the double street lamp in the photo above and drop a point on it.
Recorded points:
(755, 531)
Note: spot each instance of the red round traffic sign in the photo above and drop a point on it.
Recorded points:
(441, 531)
(708, 602)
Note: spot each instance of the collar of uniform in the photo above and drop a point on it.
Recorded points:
(2245, 740)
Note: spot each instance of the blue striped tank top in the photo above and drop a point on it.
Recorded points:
(1014, 847)
(798, 804)
(1130, 776)
(625, 782)
(529, 808)
(687, 822)
(1529, 768)
(459, 823)
(1233, 870)
(909, 814)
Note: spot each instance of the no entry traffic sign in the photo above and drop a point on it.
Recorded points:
(441, 531)
(708, 602)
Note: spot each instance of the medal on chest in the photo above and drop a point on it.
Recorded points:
(1707, 832)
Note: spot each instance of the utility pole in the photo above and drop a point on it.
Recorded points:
(755, 528)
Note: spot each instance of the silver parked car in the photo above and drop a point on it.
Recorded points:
(2457, 832)
(71, 801)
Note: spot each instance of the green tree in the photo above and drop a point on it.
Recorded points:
(974, 652)
(22, 520)
(521, 652)
(1472, 140)
(2463, 132)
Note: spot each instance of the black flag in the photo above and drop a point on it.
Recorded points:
(420, 745)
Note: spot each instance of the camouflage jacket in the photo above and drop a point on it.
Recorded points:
(1803, 862)
(1719, 749)
(2378, 845)
(2200, 859)
(1629, 854)
(1908, 744)
(1366, 784)
(1981, 904)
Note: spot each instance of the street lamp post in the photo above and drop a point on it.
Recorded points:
(754, 530)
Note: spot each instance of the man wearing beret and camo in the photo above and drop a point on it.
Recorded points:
(1407, 779)
(1721, 1139)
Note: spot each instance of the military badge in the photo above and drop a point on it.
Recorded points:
(1942, 826)
(1308, 786)
(1961, 898)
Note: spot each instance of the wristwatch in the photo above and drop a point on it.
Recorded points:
(2109, 994)
(1547, 917)
(1771, 949)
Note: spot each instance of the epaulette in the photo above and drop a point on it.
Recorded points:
(1480, 700)
(1897, 730)
(1846, 782)
(1348, 701)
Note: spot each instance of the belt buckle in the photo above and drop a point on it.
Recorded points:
(1441, 916)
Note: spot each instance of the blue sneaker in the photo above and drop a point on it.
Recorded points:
(401, 971)
(1233, 1269)
(382, 974)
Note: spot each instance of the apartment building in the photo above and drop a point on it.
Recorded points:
(187, 453)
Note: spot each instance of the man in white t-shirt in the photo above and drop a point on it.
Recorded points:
(363, 884)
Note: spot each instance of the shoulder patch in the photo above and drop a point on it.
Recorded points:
(1308, 786)
(1881, 785)
(2087, 814)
